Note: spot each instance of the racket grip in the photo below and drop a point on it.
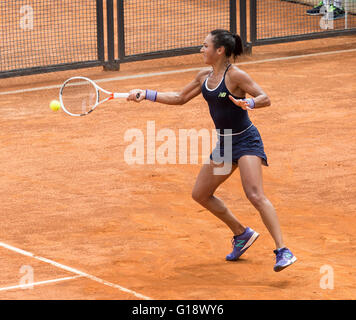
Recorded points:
(125, 95)
(121, 95)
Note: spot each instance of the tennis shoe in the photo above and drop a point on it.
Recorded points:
(336, 13)
(317, 10)
(241, 243)
(284, 258)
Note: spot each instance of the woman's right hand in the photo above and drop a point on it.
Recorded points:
(136, 95)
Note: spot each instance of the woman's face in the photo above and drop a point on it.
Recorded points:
(210, 54)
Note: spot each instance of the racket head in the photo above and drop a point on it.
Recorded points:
(79, 96)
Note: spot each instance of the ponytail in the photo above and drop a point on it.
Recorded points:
(239, 48)
(231, 42)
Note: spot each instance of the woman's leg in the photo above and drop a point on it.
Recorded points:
(203, 192)
(251, 177)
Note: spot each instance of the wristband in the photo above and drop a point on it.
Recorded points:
(251, 102)
(151, 95)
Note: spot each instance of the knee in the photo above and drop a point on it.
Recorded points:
(199, 196)
(257, 198)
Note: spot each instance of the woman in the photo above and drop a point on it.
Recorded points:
(240, 144)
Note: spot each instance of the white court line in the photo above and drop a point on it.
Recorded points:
(30, 285)
(80, 273)
(154, 74)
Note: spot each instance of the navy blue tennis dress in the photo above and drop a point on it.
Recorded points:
(237, 136)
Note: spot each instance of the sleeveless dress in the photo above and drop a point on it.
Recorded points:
(237, 136)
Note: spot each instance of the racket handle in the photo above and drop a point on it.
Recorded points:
(121, 95)
(125, 95)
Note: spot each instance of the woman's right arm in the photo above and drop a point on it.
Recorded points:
(174, 98)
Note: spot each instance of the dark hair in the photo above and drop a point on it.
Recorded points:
(231, 42)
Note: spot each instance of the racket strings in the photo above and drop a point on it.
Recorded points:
(79, 96)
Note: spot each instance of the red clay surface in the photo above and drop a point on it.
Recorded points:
(67, 193)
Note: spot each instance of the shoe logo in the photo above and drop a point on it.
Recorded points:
(239, 243)
(222, 95)
(288, 255)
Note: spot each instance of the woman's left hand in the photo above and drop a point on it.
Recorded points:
(240, 103)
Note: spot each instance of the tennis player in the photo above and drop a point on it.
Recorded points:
(224, 87)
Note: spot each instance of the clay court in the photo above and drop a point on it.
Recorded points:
(88, 225)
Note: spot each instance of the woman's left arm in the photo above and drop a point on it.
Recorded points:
(242, 80)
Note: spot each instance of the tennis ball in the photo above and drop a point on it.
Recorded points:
(55, 105)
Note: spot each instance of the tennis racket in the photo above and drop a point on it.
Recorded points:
(80, 96)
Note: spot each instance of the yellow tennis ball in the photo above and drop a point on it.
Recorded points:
(55, 105)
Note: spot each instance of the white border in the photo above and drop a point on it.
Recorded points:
(155, 74)
(75, 271)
